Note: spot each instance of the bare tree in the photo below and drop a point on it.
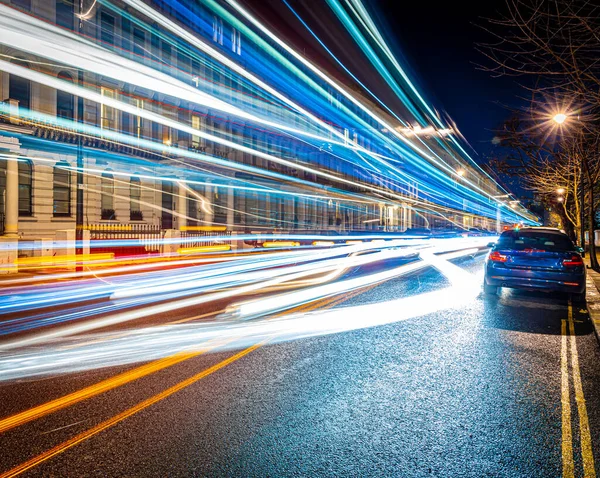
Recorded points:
(555, 41)
(544, 168)
(557, 44)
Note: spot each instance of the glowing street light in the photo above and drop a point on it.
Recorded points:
(460, 172)
(560, 118)
(560, 191)
(560, 199)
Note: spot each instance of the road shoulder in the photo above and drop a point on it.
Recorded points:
(593, 299)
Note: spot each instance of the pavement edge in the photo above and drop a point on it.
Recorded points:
(593, 299)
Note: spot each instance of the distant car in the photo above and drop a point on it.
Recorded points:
(535, 258)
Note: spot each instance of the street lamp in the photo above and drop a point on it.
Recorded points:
(560, 191)
(460, 172)
(560, 118)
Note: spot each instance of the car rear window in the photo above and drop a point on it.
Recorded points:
(542, 240)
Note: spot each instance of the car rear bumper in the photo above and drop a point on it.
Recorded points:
(572, 284)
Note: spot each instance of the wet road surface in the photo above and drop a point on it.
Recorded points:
(504, 386)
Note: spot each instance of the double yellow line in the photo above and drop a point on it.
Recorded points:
(127, 377)
(587, 456)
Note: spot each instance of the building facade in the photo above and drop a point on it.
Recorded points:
(187, 114)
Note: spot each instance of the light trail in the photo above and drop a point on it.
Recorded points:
(152, 343)
(220, 282)
(162, 82)
(27, 33)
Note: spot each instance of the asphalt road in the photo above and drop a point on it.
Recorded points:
(493, 388)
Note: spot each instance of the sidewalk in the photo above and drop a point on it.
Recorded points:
(593, 298)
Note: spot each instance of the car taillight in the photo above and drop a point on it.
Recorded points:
(574, 261)
(497, 257)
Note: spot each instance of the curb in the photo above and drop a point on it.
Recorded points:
(592, 298)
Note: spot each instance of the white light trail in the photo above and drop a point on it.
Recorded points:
(152, 343)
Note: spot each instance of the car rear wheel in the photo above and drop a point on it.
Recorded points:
(490, 289)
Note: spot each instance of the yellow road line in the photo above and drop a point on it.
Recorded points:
(146, 403)
(126, 377)
(71, 399)
(121, 379)
(568, 466)
(123, 415)
(587, 455)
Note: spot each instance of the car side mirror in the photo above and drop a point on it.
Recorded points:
(491, 244)
(579, 249)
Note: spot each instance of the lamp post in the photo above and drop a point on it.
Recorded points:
(80, 186)
(559, 119)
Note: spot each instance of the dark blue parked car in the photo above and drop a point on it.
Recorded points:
(535, 258)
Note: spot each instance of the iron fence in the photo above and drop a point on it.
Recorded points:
(204, 238)
(129, 239)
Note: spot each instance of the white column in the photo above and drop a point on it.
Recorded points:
(230, 206)
(11, 202)
(181, 207)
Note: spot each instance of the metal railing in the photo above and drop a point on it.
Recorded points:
(204, 238)
(129, 239)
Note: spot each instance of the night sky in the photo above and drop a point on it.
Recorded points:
(437, 42)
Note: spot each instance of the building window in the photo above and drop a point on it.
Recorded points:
(61, 205)
(235, 89)
(65, 102)
(139, 42)
(217, 82)
(107, 197)
(22, 4)
(236, 41)
(183, 137)
(25, 188)
(166, 54)
(107, 28)
(20, 89)
(192, 210)
(217, 30)
(156, 129)
(135, 194)
(197, 141)
(107, 113)
(65, 13)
